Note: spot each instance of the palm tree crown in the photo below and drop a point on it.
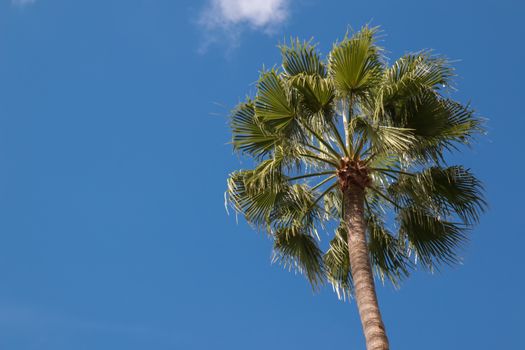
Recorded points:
(317, 128)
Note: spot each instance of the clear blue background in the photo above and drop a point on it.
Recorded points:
(113, 159)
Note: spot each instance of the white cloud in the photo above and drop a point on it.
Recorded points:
(228, 18)
(259, 14)
(22, 2)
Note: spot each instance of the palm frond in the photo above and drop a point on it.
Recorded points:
(316, 93)
(446, 191)
(256, 204)
(431, 239)
(414, 73)
(381, 139)
(297, 205)
(298, 250)
(355, 65)
(273, 104)
(337, 264)
(301, 57)
(387, 253)
(333, 205)
(438, 124)
(248, 132)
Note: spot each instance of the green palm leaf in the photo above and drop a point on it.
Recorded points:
(413, 74)
(447, 191)
(249, 134)
(431, 239)
(355, 65)
(273, 103)
(337, 264)
(256, 204)
(387, 252)
(382, 139)
(296, 249)
(438, 124)
(316, 93)
(301, 57)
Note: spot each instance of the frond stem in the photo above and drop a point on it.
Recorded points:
(338, 138)
(324, 193)
(318, 199)
(318, 137)
(385, 197)
(347, 121)
(310, 175)
(393, 171)
(327, 161)
(322, 182)
(331, 156)
(359, 147)
(370, 158)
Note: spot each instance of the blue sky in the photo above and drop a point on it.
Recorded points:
(114, 155)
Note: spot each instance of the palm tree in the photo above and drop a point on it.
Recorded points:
(357, 146)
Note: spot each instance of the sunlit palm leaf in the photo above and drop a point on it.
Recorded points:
(273, 103)
(248, 132)
(301, 57)
(337, 264)
(383, 138)
(316, 93)
(355, 64)
(256, 204)
(333, 205)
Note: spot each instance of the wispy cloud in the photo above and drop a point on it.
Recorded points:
(22, 2)
(227, 19)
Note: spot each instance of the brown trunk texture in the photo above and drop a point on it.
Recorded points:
(365, 293)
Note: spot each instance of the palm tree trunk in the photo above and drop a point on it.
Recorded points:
(365, 293)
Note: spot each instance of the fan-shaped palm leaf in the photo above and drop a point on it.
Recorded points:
(298, 250)
(301, 57)
(355, 65)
